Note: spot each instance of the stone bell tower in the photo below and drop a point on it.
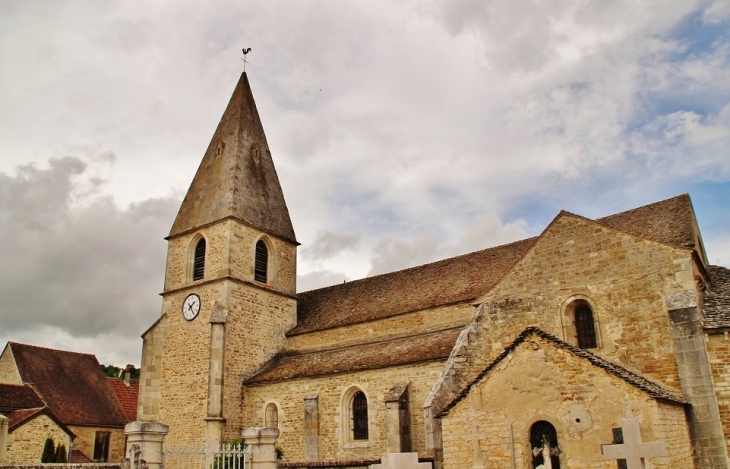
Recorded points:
(230, 285)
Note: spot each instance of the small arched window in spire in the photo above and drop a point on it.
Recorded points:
(260, 271)
(199, 260)
(584, 326)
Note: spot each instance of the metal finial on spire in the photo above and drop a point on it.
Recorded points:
(245, 51)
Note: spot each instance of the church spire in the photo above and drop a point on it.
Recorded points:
(237, 177)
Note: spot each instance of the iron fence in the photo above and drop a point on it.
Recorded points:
(231, 456)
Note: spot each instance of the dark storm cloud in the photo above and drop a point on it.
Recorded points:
(84, 267)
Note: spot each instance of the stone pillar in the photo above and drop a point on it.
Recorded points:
(695, 377)
(434, 444)
(214, 419)
(4, 424)
(145, 440)
(261, 442)
(394, 440)
(311, 427)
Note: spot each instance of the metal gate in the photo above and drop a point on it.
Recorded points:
(231, 456)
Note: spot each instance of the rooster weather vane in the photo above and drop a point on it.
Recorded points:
(245, 51)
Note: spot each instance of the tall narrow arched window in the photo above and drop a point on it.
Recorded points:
(544, 445)
(199, 260)
(271, 419)
(261, 264)
(584, 326)
(359, 416)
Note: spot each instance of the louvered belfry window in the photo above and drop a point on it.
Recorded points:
(199, 261)
(260, 271)
(584, 326)
(359, 416)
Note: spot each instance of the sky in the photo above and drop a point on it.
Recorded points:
(402, 132)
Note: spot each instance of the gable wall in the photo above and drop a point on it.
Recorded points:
(418, 322)
(625, 278)
(25, 443)
(8, 370)
(539, 381)
(289, 398)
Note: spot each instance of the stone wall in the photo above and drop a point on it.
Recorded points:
(63, 466)
(25, 443)
(334, 441)
(8, 370)
(718, 348)
(539, 381)
(85, 438)
(625, 279)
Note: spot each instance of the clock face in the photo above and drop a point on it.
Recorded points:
(191, 306)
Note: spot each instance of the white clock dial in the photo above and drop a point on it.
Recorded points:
(191, 306)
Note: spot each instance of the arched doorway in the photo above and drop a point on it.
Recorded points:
(544, 444)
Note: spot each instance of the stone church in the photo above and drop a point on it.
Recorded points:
(537, 353)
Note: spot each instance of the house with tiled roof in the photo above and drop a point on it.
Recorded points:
(531, 354)
(71, 391)
(25, 424)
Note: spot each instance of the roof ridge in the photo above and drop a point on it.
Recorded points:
(684, 195)
(420, 266)
(51, 349)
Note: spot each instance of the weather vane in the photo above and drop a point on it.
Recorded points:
(245, 51)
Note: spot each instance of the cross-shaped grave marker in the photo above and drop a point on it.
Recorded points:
(632, 449)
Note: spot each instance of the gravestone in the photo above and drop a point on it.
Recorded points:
(633, 450)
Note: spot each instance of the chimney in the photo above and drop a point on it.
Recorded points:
(127, 374)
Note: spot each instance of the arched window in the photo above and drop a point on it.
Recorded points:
(271, 418)
(584, 325)
(199, 260)
(261, 264)
(359, 416)
(544, 444)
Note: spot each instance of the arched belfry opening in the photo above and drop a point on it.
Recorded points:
(261, 263)
(199, 260)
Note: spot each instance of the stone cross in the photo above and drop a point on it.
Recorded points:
(632, 449)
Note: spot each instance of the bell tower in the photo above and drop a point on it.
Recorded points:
(230, 285)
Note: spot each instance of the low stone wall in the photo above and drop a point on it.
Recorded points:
(62, 466)
(357, 464)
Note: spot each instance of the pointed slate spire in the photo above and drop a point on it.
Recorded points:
(237, 177)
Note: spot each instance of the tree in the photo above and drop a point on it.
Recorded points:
(49, 453)
(61, 454)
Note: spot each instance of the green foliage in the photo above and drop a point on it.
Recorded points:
(231, 461)
(49, 453)
(112, 371)
(279, 452)
(61, 454)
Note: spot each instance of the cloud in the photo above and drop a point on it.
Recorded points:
(327, 244)
(78, 269)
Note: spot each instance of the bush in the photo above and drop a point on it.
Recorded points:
(61, 454)
(49, 453)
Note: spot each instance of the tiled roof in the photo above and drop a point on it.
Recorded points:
(127, 396)
(414, 349)
(669, 221)
(77, 457)
(18, 396)
(467, 277)
(717, 301)
(71, 384)
(457, 279)
(653, 388)
(18, 418)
